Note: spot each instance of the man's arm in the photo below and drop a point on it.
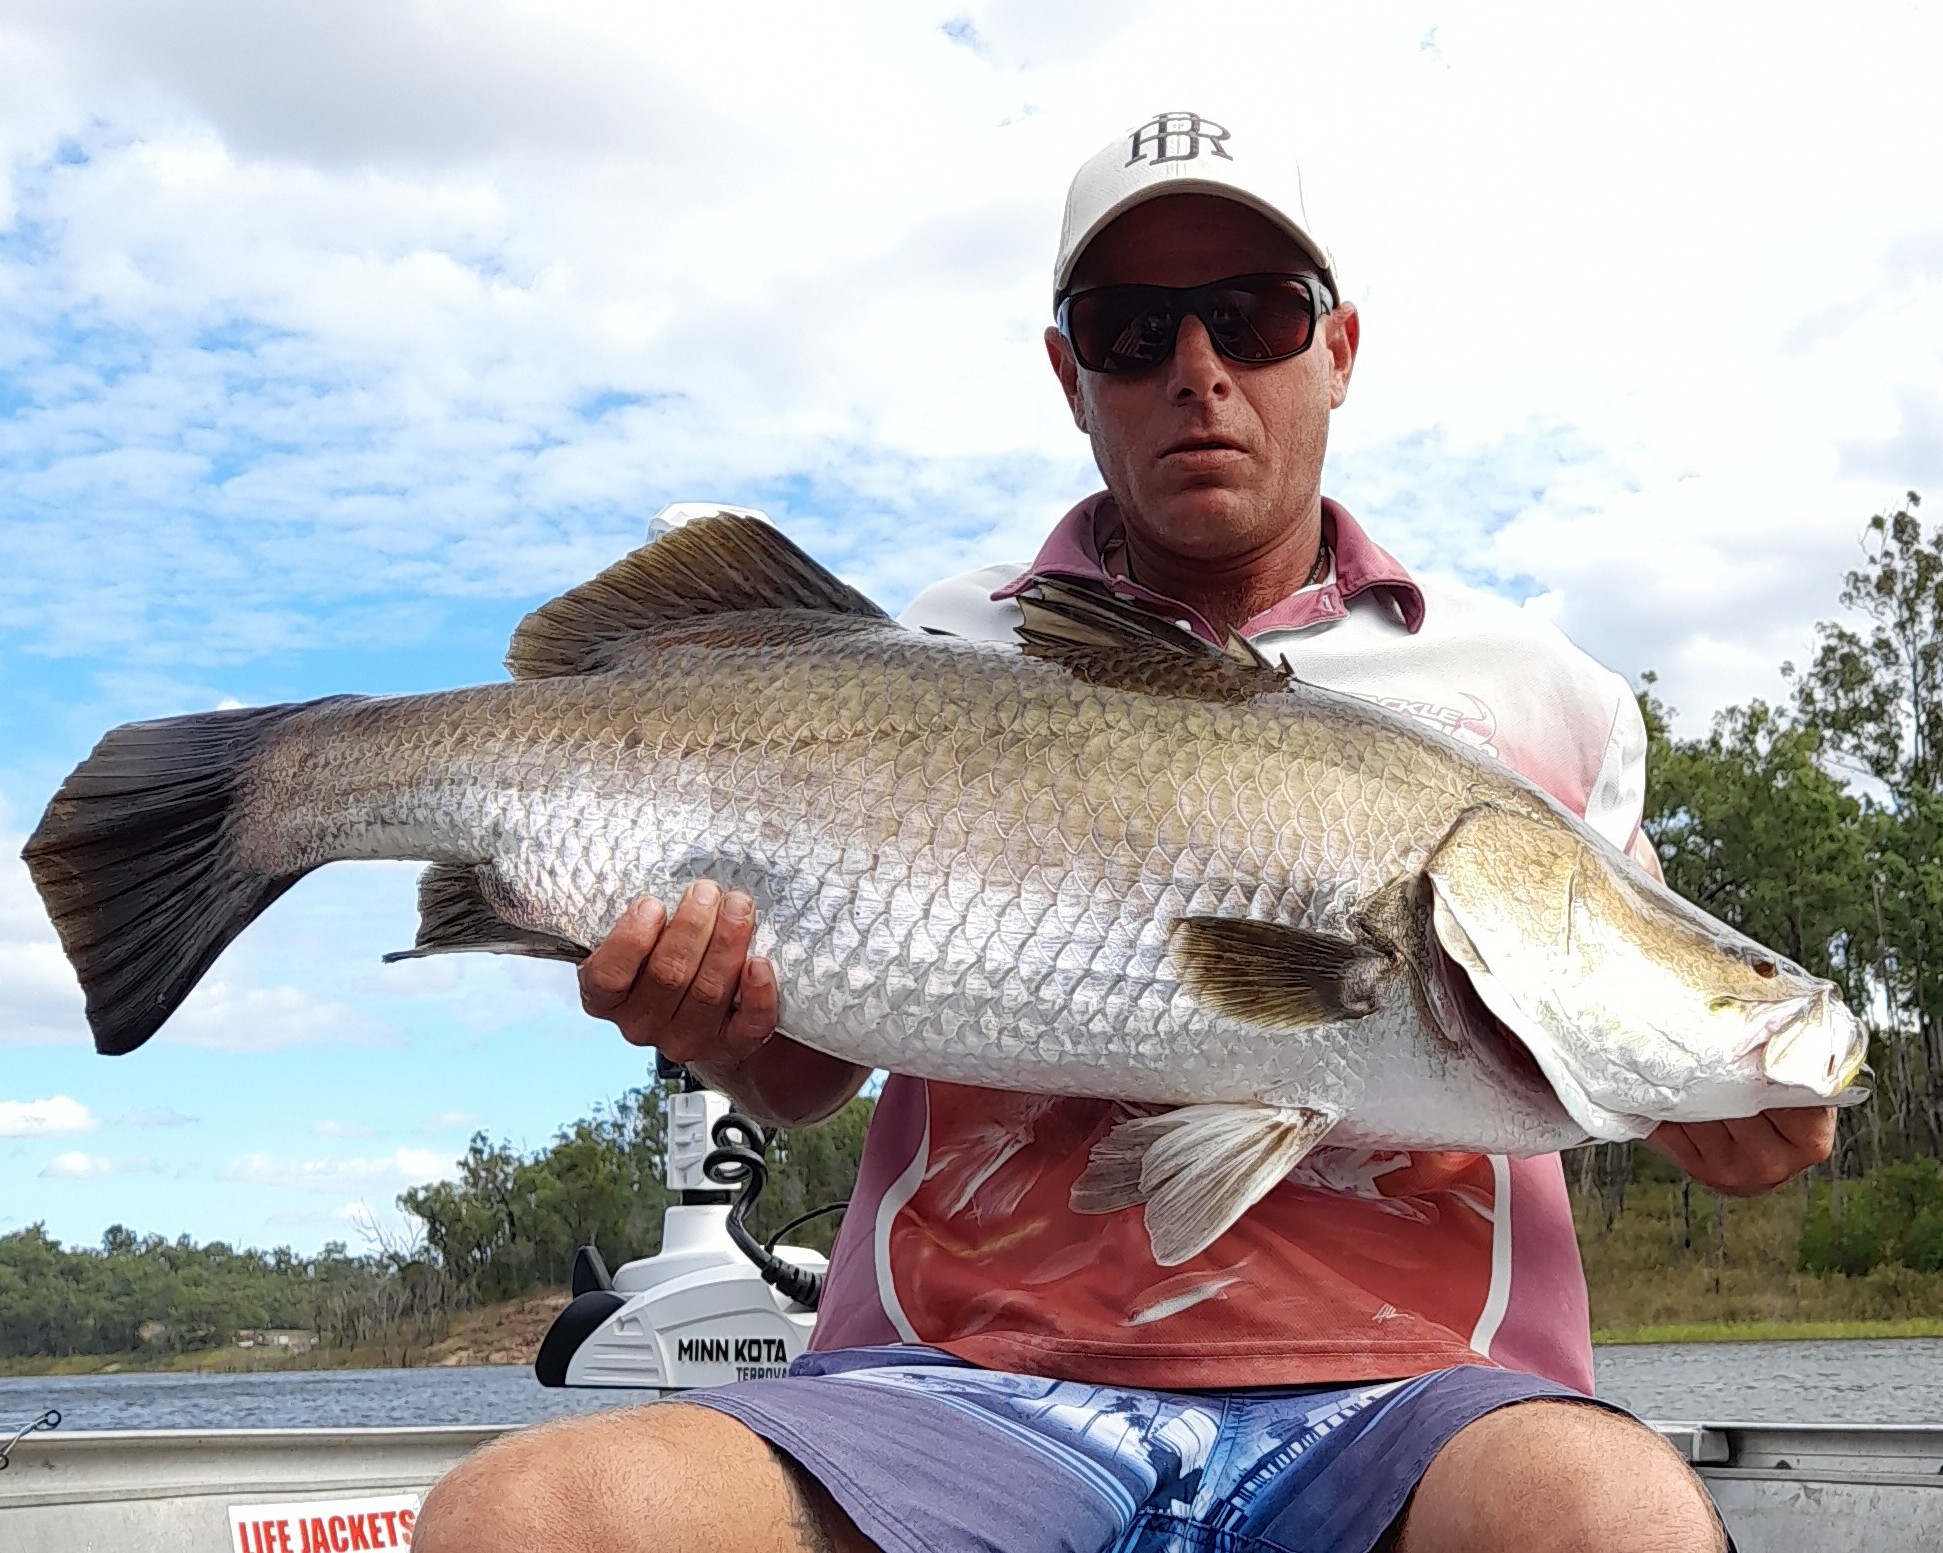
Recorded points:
(688, 986)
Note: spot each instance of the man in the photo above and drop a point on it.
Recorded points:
(1388, 1350)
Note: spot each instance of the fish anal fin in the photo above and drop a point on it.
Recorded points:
(720, 565)
(1097, 636)
(1268, 974)
(1197, 1169)
(462, 909)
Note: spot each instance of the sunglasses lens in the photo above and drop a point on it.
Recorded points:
(1122, 328)
(1252, 318)
(1260, 318)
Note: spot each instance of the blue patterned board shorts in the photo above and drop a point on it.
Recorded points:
(930, 1455)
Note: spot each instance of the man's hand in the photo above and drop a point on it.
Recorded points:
(688, 985)
(1746, 1158)
(685, 984)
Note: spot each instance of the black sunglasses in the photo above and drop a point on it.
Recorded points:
(1249, 318)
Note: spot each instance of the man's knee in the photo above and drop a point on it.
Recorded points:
(538, 1489)
(1559, 1477)
(666, 1477)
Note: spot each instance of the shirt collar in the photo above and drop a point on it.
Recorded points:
(1077, 545)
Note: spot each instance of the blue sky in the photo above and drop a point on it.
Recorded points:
(328, 351)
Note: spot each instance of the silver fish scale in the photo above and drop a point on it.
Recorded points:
(966, 862)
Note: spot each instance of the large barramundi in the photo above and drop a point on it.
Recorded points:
(1121, 863)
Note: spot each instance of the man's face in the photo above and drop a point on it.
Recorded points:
(1209, 458)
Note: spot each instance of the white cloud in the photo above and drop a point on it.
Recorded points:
(40, 1003)
(474, 993)
(329, 329)
(157, 1116)
(384, 1173)
(226, 1017)
(53, 1117)
(357, 1216)
(92, 1167)
(339, 1130)
(448, 1121)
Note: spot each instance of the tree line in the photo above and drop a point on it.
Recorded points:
(147, 1294)
(508, 1225)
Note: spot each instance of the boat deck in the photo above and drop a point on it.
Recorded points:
(1781, 1488)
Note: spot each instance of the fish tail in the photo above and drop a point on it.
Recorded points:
(138, 864)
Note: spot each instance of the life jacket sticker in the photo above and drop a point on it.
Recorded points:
(362, 1525)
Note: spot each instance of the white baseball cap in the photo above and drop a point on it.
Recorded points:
(1183, 153)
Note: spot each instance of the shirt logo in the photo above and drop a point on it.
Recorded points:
(1177, 137)
(1474, 724)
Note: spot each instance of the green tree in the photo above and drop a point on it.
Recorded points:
(1748, 824)
(1876, 693)
(510, 1224)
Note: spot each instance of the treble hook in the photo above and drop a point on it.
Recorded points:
(51, 1419)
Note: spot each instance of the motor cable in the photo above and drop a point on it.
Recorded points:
(739, 1161)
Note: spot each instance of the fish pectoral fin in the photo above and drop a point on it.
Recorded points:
(720, 565)
(1097, 636)
(1197, 1169)
(1268, 974)
(456, 915)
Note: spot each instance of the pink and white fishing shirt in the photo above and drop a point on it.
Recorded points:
(1362, 1265)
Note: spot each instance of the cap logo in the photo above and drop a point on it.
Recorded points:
(1177, 137)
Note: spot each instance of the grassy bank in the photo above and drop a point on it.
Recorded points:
(508, 1333)
(239, 1361)
(1768, 1331)
(1725, 1270)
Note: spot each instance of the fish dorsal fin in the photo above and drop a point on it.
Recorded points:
(712, 566)
(1107, 640)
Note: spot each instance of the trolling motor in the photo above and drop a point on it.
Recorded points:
(714, 1304)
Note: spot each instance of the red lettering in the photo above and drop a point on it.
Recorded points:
(408, 1519)
(314, 1538)
(338, 1542)
(303, 1537)
(360, 1534)
(391, 1528)
(283, 1538)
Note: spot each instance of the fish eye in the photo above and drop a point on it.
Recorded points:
(1763, 967)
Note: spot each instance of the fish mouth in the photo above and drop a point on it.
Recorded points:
(1792, 1056)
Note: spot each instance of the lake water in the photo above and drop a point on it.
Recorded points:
(1893, 1381)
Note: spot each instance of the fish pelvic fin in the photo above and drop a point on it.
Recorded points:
(1097, 636)
(1197, 1169)
(712, 566)
(137, 863)
(462, 908)
(1268, 974)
